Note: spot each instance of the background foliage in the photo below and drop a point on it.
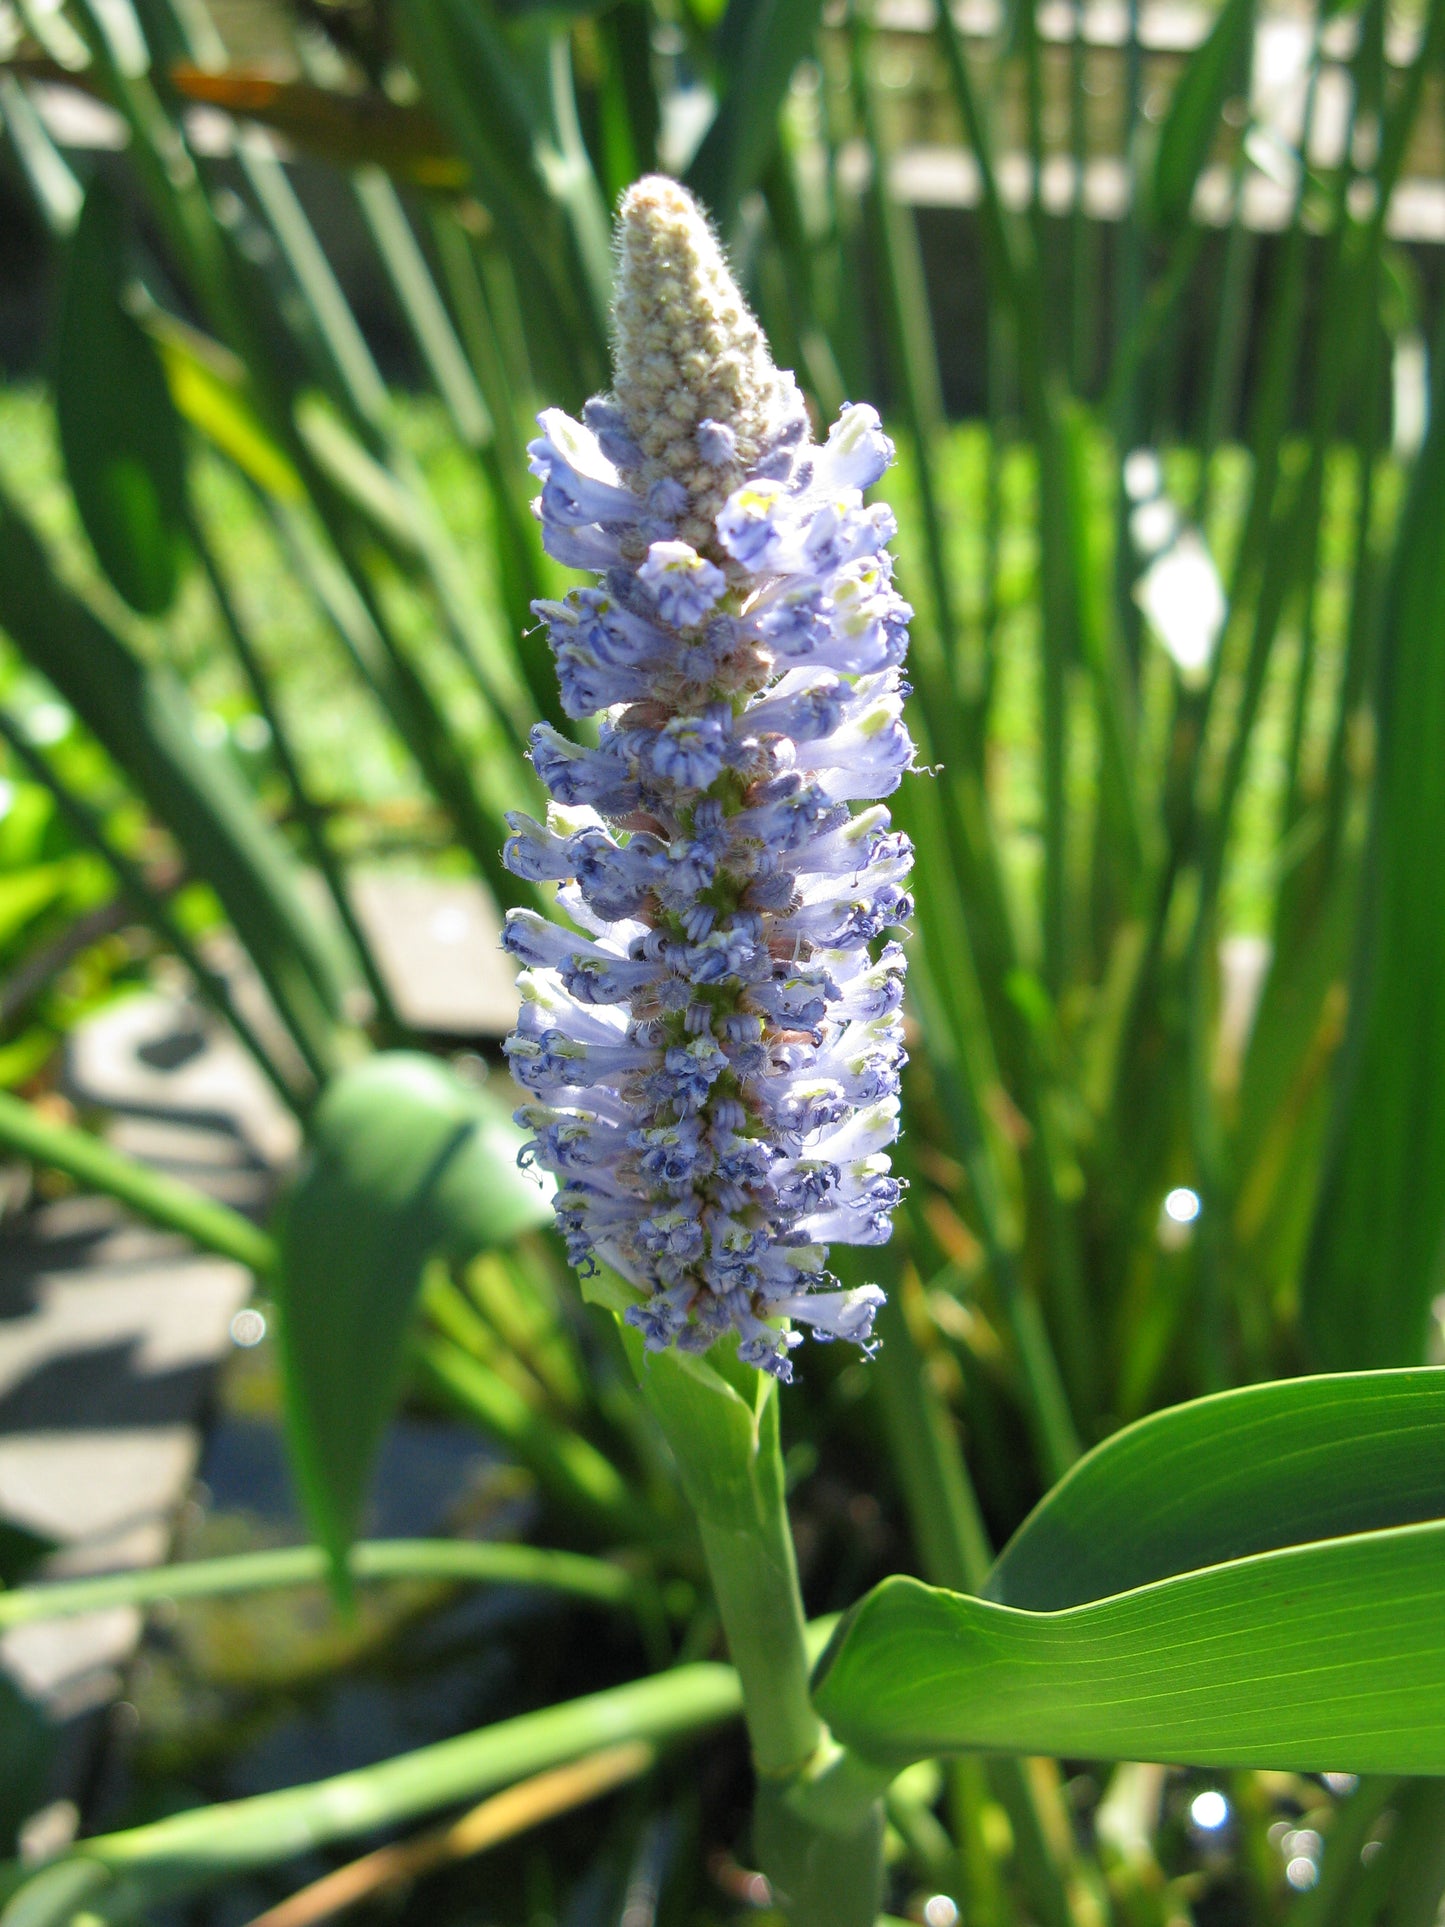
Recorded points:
(1179, 685)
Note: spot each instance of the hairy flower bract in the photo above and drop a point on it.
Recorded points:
(716, 1058)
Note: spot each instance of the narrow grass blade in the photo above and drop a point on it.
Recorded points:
(757, 46)
(459, 1561)
(163, 1200)
(188, 1852)
(118, 432)
(1213, 72)
(426, 315)
(313, 824)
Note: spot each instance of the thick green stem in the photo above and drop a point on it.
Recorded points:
(818, 1834)
(755, 1580)
(818, 1827)
(724, 1436)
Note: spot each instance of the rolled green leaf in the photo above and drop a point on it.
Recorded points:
(404, 1160)
(1214, 71)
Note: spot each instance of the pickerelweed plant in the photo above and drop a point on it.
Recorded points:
(717, 1058)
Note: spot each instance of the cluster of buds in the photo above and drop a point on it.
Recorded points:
(715, 1058)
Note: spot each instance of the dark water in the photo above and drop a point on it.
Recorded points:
(238, 1696)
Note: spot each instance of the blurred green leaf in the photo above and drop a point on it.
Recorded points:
(1319, 1658)
(1214, 71)
(26, 1743)
(208, 388)
(404, 1160)
(53, 1896)
(1244, 1472)
(123, 1875)
(758, 45)
(162, 1199)
(144, 719)
(118, 430)
(27, 894)
(458, 1561)
(21, 1551)
(503, 90)
(1376, 1248)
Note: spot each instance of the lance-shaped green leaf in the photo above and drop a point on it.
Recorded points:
(118, 431)
(1250, 1580)
(145, 720)
(1244, 1472)
(1374, 1261)
(404, 1160)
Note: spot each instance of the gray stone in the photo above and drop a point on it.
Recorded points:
(110, 1330)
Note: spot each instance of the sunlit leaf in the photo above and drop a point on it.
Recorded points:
(208, 389)
(1319, 1658)
(1244, 1472)
(1228, 1584)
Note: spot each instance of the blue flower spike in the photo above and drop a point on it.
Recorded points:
(716, 1056)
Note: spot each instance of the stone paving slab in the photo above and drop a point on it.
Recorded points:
(438, 943)
(110, 1330)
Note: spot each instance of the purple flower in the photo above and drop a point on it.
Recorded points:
(685, 585)
(714, 1050)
